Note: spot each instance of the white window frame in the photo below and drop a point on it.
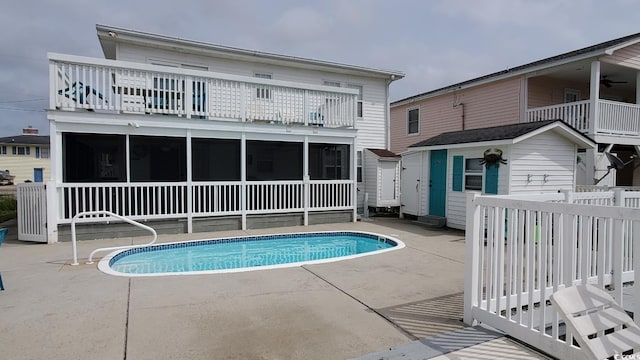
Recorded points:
(573, 93)
(359, 109)
(417, 132)
(263, 93)
(44, 152)
(332, 83)
(471, 172)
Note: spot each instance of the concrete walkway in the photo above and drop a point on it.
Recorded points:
(346, 309)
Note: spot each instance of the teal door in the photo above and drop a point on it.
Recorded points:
(438, 182)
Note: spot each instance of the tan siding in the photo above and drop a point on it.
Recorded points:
(493, 104)
(21, 166)
(545, 90)
(628, 56)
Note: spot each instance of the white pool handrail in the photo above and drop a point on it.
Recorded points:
(103, 212)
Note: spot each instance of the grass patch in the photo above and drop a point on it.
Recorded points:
(8, 208)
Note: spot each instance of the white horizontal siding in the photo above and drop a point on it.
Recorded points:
(371, 127)
(456, 200)
(546, 154)
(370, 176)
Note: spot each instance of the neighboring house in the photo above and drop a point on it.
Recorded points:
(595, 90)
(204, 137)
(535, 157)
(26, 156)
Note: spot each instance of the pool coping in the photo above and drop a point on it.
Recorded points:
(104, 264)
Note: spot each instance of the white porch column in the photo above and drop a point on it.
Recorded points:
(305, 179)
(638, 87)
(524, 99)
(243, 179)
(189, 185)
(594, 96)
(590, 166)
(354, 177)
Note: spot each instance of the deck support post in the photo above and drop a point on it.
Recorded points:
(472, 252)
(594, 96)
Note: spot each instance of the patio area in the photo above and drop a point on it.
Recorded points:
(371, 307)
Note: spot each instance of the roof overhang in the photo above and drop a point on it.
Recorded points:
(110, 36)
(558, 127)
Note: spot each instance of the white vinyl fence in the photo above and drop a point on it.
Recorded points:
(519, 251)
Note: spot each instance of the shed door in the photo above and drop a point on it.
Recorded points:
(37, 174)
(410, 183)
(388, 175)
(438, 183)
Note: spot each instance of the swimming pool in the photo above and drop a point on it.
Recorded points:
(245, 253)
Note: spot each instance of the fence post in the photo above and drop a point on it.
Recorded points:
(635, 229)
(52, 212)
(473, 244)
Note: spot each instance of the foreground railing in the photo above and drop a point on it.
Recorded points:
(518, 252)
(202, 199)
(613, 118)
(118, 86)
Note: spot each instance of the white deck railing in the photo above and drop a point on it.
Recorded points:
(613, 118)
(518, 252)
(127, 87)
(202, 199)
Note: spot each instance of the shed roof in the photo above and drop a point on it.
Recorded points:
(384, 153)
(505, 134)
(26, 140)
(603, 48)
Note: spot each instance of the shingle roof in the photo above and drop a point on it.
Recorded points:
(504, 132)
(384, 153)
(586, 50)
(26, 140)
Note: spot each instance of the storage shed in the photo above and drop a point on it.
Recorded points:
(534, 157)
(382, 174)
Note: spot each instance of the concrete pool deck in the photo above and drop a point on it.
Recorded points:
(340, 310)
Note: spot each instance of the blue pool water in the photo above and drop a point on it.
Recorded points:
(245, 253)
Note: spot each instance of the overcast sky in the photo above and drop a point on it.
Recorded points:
(435, 43)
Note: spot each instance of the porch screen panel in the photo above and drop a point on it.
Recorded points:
(329, 161)
(93, 158)
(215, 159)
(274, 160)
(157, 158)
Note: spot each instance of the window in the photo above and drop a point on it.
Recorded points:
(413, 121)
(473, 174)
(21, 150)
(331, 83)
(359, 88)
(37, 152)
(3, 150)
(571, 95)
(263, 92)
(359, 166)
(44, 153)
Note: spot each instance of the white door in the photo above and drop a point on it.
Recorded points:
(410, 183)
(388, 186)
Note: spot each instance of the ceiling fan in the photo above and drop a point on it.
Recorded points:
(604, 80)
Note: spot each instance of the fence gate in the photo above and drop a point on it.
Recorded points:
(32, 212)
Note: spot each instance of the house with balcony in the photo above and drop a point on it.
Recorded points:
(202, 137)
(24, 157)
(594, 90)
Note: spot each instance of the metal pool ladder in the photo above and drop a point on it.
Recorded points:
(101, 212)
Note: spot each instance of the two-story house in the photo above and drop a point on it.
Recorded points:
(594, 90)
(25, 156)
(203, 137)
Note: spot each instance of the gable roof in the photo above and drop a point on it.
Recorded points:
(604, 48)
(384, 153)
(26, 140)
(504, 134)
(110, 36)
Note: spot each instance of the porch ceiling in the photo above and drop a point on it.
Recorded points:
(581, 72)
